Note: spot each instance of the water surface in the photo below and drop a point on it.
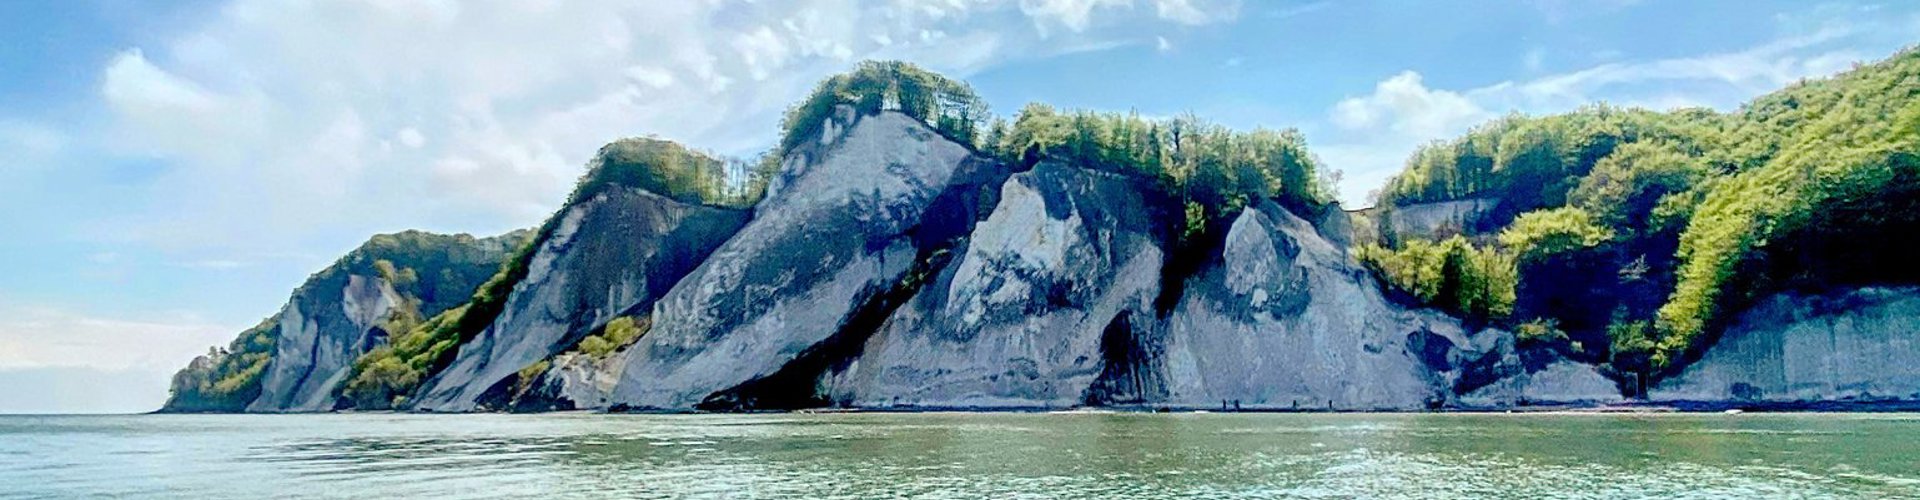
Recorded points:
(963, 456)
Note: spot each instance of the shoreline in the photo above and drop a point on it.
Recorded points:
(1628, 408)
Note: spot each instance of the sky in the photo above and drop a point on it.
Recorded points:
(170, 171)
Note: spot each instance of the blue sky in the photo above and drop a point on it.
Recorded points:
(171, 170)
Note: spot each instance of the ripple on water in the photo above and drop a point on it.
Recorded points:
(962, 456)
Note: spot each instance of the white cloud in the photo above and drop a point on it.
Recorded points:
(287, 125)
(34, 337)
(654, 77)
(1196, 12)
(162, 112)
(1299, 10)
(30, 148)
(1535, 59)
(1752, 71)
(1403, 104)
(1071, 14)
(411, 137)
(31, 139)
(133, 82)
(1382, 128)
(1077, 15)
(761, 51)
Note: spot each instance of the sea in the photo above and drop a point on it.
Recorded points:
(964, 455)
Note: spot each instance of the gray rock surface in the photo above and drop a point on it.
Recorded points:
(610, 255)
(1861, 345)
(845, 221)
(1430, 220)
(573, 381)
(1336, 225)
(1560, 383)
(1288, 321)
(1067, 263)
(316, 345)
(338, 314)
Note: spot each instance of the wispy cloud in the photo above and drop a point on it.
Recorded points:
(213, 264)
(34, 337)
(1535, 59)
(1297, 10)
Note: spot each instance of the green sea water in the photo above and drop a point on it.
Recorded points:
(946, 455)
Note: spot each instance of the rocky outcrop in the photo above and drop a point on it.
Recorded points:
(1559, 383)
(1857, 346)
(852, 216)
(319, 338)
(1052, 305)
(1285, 320)
(610, 255)
(1437, 219)
(1043, 309)
(342, 311)
(572, 381)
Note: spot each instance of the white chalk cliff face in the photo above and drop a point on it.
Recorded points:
(836, 294)
(310, 359)
(1856, 346)
(613, 254)
(341, 311)
(848, 219)
(1287, 320)
(1052, 289)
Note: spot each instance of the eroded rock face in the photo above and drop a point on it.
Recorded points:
(1559, 383)
(316, 347)
(611, 255)
(573, 381)
(1287, 321)
(1855, 346)
(339, 313)
(1055, 288)
(848, 219)
(1438, 219)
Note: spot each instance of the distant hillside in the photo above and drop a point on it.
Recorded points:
(1633, 236)
(341, 312)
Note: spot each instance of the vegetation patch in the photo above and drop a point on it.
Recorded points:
(1693, 214)
(226, 379)
(614, 336)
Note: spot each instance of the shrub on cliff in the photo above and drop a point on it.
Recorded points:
(1215, 172)
(1453, 275)
(226, 379)
(614, 335)
(949, 106)
(668, 169)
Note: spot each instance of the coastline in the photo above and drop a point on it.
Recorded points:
(1638, 408)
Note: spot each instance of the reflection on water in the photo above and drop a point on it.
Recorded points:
(964, 456)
